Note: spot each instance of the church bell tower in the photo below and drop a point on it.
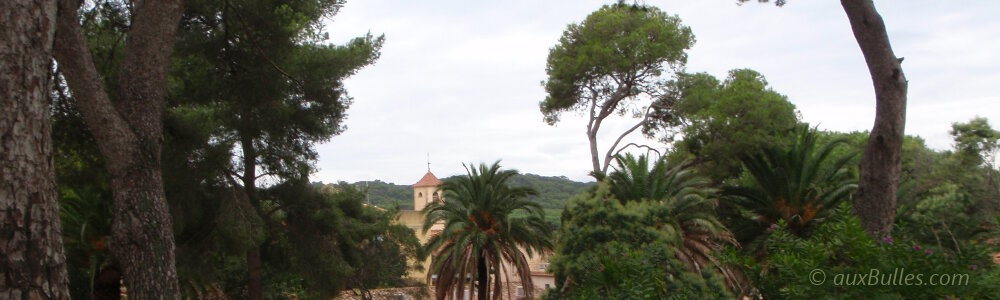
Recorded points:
(426, 190)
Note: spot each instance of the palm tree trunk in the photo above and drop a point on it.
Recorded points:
(483, 288)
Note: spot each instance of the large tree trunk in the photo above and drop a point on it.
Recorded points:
(128, 132)
(881, 163)
(32, 263)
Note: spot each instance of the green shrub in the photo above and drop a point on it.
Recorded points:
(839, 260)
(619, 271)
(608, 250)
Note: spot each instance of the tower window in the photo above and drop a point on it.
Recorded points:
(436, 197)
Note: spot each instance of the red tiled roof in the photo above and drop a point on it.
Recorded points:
(428, 180)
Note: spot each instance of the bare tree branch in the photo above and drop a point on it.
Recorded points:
(649, 148)
(608, 155)
(265, 174)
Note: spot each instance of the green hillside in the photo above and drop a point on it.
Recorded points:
(387, 194)
(553, 191)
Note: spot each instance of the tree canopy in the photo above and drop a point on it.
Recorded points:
(977, 141)
(607, 64)
(720, 120)
(272, 86)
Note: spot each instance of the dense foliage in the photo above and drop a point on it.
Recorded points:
(608, 249)
(328, 238)
(839, 260)
(683, 205)
(271, 86)
(721, 120)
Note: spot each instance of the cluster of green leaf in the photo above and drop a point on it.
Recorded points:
(719, 121)
(840, 260)
(617, 271)
(329, 240)
(614, 54)
(976, 142)
(610, 249)
(951, 199)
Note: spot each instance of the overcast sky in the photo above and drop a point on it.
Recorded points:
(460, 80)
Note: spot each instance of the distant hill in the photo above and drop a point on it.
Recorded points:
(387, 194)
(553, 191)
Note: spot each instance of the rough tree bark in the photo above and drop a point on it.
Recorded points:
(32, 262)
(881, 163)
(129, 137)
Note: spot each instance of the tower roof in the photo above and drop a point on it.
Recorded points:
(428, 180)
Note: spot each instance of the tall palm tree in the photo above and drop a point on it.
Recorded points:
(481, 235)
(686, 208)
(800, 184)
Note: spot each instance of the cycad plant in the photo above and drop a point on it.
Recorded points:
(800, 184)
(683, 206)
(634, 178)
(481, 238)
